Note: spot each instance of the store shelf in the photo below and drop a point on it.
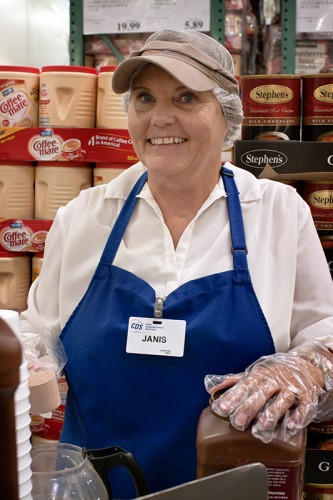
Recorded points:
(76, 38)
(217, 20)
(288, 36)
(288, 33)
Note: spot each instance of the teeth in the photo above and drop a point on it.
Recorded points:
(167, 140)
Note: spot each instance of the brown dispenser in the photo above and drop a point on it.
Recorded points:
(10, 360)
(221, 447)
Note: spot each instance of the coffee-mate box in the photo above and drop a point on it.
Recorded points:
(66, 144)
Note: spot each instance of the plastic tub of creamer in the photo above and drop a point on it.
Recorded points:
(15, 280)
(57, 183)
(19, 96)
(110, 112)
(17, 189)
(106, 172)
(68, 96)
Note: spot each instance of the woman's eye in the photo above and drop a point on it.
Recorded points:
(144, 97)
(187, 98)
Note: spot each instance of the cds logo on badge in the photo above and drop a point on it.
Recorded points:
(258, 158)
(136, 326)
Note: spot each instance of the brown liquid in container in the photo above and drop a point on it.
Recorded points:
(221, 447)
(10, 360)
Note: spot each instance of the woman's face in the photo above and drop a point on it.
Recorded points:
(174, 130)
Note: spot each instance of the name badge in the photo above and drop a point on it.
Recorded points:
(160, 337)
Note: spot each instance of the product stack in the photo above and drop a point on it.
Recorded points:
(286, 136)
(62, 130)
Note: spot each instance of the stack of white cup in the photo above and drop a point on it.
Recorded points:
(22, 416)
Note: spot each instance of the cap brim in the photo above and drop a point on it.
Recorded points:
(185, 73)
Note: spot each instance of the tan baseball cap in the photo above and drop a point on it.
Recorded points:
(196, 60)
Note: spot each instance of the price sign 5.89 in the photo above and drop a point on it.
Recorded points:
(193, 24)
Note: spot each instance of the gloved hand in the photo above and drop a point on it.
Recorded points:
(46, 358)
(290, 389)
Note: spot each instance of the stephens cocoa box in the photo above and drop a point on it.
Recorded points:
(285, 159)
(23, 235)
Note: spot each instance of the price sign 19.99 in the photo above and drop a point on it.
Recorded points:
(128, 26)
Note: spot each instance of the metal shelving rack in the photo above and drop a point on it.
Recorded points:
(288, 34)
(76, 37)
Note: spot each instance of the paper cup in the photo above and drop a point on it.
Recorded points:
(23, 433)
(22, 420)
(22, 406)
(22, 393)
(25, 489)
(24, 371)
(27, 496)
(23, 463)
(23, 448)
(22, 416)
(24, 474)
(12, 319)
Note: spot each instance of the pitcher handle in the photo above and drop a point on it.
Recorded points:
(104, 459)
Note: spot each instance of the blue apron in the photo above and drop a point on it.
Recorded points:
(147, 404)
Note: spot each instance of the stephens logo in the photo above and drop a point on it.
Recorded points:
(258, 158)
(45, 148)
(271, 94)
(324, 93)
(321, 199)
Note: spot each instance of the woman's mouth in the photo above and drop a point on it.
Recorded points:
(166, 140)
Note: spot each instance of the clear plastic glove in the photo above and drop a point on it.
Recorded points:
(46, 358)
(279, 394)
(45, 352)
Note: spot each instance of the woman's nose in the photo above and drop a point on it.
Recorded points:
(163, 114)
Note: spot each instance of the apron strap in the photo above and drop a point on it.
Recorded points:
(122, 221)
(238, 248)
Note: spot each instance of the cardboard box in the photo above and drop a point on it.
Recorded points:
(66, 144)
(318, 471)
(318, 474)
(286, 160)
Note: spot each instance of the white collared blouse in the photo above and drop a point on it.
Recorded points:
(287, 264)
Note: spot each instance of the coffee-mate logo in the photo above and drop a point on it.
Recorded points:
(324, 93)
(321, 199)
(16, 239)
(14, 105)
(271, 94)
(45, 148)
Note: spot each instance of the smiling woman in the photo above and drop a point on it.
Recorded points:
(221, 272)
(178, 135)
